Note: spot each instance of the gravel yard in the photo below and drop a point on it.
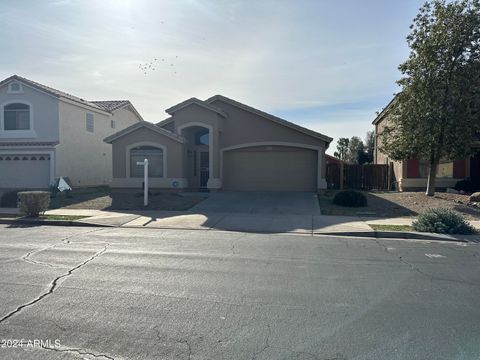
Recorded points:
(394, 204)
(104, 198)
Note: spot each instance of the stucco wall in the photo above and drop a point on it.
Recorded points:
(84, 156)
(44, 109)
(142, 135)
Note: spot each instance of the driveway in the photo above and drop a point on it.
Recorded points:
(271, 202)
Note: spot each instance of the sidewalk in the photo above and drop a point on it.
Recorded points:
(255, 223)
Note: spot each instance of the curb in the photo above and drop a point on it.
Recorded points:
(408, 235)
(32, 222)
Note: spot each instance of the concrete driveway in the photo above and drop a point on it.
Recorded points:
(271, 202)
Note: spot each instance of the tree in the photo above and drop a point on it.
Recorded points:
(342, 149)
(355, 147)
(369, 146)
(437, 112)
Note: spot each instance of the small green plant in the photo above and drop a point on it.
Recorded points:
(350, 198)
(32, 203)
(443, 221)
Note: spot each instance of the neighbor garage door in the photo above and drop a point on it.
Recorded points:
(24, 171)
(270, 168)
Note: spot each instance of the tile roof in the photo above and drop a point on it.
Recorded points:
(111, 105)
(51, 91)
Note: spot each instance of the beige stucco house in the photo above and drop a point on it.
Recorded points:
(220, 143)
(46, 133)
(412, 174)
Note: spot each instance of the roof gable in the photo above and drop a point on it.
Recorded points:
(270, 117)
(147, 125)
(195, 101)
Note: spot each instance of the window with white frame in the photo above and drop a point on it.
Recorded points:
(15, 88)
(155, 161)
(16, 116)
(89, 123)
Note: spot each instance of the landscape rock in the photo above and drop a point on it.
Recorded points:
(452, 191)
(475, 197)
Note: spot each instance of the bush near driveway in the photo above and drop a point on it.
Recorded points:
(443, 221)
(32, 203)
(350, 198)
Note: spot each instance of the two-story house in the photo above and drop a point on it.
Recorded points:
(46, 133)
(412, 174)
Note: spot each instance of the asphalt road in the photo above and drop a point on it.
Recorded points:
(89, 293)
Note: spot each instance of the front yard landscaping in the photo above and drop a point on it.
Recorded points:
(398, 204)
(104, 198)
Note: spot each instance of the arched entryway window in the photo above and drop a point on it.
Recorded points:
(155, 161)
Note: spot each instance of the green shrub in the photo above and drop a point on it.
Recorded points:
(443, 221)
(9, 199)
(350, 198)
(32, 203)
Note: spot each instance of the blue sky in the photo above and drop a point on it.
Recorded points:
(326, 65)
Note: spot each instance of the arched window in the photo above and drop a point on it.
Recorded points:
(16, 116)
(155, 161)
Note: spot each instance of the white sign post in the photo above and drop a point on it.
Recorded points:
(145, 180)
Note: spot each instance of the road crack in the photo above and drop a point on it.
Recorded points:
(189, 348)
(266, 344)
(53, 285)
(79, 352)
(28, 257)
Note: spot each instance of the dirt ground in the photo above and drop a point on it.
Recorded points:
(103, 198)
(393, 204)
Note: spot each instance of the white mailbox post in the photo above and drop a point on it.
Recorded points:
(145, 180)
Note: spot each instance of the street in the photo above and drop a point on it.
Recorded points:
(122, 293)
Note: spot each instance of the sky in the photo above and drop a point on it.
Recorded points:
(323, 64)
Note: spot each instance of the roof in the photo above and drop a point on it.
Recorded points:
(104, 106)
(198, 102)
(384, 111)
(111, 105)
(147, 125)
(334, 159)
(270, 117)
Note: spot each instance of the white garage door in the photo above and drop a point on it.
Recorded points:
(270, 168)
(24, 171)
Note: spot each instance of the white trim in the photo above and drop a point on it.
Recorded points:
(9, 88)
(321, 182)
(50, 153)
(145, 143)
(210, 146)
(17, 134)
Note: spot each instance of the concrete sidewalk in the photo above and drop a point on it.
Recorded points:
(255, 223)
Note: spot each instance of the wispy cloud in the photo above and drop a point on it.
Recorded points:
(327, 65)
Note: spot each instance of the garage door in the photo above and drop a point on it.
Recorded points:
(270, 168)
(24, 171)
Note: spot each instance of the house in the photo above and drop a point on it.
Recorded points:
(333, 160)
(412, 174)
(220, 143)
(46, 133)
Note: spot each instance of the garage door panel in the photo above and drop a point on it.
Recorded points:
(24, 171)
(280, 169)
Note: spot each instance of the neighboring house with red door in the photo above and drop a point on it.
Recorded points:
(412, 174)
(220, 143)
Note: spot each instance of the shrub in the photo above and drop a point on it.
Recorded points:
(32, 203)
(467, 186)
(350, 198)
(443, 221)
